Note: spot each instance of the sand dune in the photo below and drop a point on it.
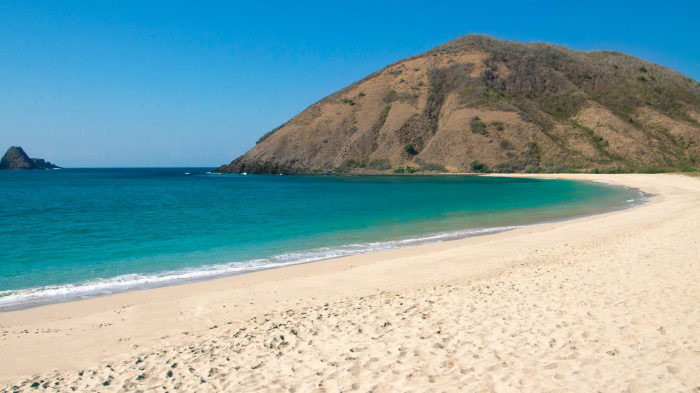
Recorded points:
(606, 303)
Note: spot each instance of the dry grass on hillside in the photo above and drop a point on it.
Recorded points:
(498, 105)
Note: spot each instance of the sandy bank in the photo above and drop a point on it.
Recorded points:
(601, 303)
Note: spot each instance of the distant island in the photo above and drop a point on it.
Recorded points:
(481, 104)
(16, 158)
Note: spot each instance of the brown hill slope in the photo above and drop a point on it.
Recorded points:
(478, 103)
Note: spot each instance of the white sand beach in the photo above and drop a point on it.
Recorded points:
(607, 303)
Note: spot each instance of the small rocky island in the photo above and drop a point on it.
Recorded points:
(16, 158)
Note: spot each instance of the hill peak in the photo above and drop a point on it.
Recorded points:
(478, 103)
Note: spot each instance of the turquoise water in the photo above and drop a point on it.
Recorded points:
(78, 233)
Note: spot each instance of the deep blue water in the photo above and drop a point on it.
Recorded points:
(75, 233)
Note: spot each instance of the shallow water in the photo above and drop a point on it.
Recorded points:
(77, 233)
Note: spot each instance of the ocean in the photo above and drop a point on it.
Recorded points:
(79, 233)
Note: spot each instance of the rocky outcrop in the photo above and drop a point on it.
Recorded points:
(40, 163)
(240, 165)
(16, 158)
(482, 104)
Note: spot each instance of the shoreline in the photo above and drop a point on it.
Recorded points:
(120, 327)
(28, 298)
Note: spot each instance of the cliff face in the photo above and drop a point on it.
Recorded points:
(16, 158)
(483, 104)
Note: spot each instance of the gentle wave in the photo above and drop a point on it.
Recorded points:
(31, 297)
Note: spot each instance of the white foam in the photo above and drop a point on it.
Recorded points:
(30, 297)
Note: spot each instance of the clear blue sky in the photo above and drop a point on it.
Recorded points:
(173, 83)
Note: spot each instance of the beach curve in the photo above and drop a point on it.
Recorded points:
(603, 302)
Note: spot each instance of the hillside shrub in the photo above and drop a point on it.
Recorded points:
(509, 167)
(533, 150)
(379, 164)
(479, 167)
(338, 170)
(507, 145)
(390, 95)
(382, 117)
(426, 166)
(354, 164)
(477, 126)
